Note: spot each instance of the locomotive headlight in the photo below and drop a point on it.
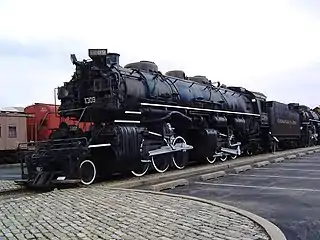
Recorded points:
(62, 92)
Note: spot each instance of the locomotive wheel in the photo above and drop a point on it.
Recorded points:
(88, 172)
(141, 169)
(223, 158)
(249, 152)
(180, 159)
(161, 163)
(233, 157)
(211, 160)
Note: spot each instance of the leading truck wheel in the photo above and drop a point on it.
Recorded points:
(88, 172)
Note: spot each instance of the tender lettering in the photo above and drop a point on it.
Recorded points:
(286, 121)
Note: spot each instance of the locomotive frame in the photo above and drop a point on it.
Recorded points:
(142, 118)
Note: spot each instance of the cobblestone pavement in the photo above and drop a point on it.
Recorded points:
(6, 185)
(103, 213)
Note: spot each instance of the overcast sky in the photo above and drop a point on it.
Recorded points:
(271, 46)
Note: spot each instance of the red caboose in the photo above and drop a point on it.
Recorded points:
(44, 120)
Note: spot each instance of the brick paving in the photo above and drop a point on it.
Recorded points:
(103, 213)
(6, 185)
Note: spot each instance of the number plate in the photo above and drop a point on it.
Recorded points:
(97, 52)
(89, 100)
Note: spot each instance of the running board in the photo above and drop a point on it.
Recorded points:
(167, 149)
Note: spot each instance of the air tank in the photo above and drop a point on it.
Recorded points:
(143, 65)
(177, 74)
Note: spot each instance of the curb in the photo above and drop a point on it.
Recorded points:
(277, 160)
(261, 164)
(242, 169)
(271, 229)
(169, 185)
(208, 176)
(291, 156)
(237, 165)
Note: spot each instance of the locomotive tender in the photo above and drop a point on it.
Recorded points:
(142, 118)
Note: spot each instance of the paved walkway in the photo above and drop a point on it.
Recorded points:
(104, 213)
(7, 185)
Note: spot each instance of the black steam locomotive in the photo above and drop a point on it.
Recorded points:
(141, 118)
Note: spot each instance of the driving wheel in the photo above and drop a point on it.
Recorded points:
(88, 172)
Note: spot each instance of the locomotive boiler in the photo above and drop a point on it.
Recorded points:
(142, 119)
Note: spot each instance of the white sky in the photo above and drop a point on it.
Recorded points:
(269, 46)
